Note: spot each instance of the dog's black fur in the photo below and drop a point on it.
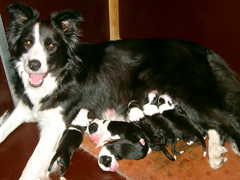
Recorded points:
(161, 132)
(158, 139)
(108, 75)
(127, 149)
(190, 131)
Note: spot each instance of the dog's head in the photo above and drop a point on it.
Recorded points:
(107, 161)
(165, 103)
(95, 130)
(42, 49)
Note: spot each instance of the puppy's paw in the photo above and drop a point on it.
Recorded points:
(217, 155)
(190, 143)
(4, 117)
(234, 147)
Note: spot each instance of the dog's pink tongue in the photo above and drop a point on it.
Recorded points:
(36, 79)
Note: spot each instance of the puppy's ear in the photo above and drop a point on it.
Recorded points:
(21, 13)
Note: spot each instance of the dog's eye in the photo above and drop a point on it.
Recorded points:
(28, 43)
(51, 46)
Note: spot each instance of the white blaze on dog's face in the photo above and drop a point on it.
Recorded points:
(107, 161)
(35, 59)
(165, 103)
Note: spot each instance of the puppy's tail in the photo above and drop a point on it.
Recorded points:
(174, 143)
(165, 151)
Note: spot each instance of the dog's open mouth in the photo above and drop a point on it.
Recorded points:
(36, 80)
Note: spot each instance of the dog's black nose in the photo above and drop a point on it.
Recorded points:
(34, 65)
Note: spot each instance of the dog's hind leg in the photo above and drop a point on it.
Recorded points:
(52, 127)
(215, 150)
(20, 114)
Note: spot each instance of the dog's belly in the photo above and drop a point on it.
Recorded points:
(111, 114)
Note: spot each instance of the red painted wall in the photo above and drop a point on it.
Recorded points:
(212, 23)
(95, 27)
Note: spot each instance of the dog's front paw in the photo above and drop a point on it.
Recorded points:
(217, 155)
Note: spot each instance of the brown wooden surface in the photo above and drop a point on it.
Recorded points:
(114, 19)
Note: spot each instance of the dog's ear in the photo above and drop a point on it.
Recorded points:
(20, 13)
(67, 21)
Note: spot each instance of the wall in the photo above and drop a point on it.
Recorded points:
(212, 23)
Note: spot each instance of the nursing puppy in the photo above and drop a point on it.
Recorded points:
(69, 143)
(120, 149)
(103, 130)
(190, 131)
(158, 129)
(71, 140)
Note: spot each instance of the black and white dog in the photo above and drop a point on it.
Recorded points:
(57, 75)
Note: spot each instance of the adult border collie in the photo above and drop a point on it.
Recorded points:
(57, 75)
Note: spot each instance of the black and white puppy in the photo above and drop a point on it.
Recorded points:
(191, 132)
(70, 141)
(159, 135)
(104, 130)
(120, 149)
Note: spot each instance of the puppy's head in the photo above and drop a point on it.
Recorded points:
(150, 106)
(165, 103)
(94, 130)
(107, 161)
(42, 49)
